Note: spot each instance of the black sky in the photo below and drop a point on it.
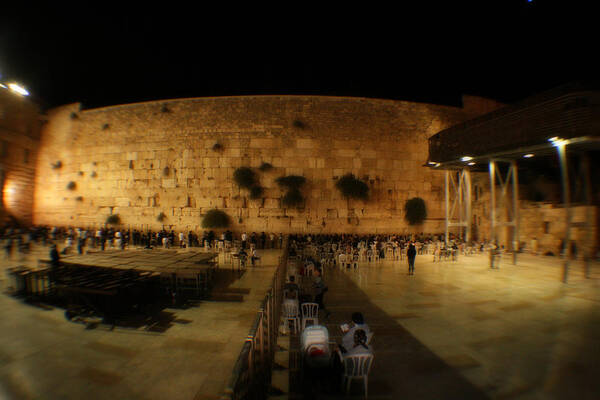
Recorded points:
(427, 51)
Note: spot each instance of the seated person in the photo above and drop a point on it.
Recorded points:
(359, 345)
(358, 323)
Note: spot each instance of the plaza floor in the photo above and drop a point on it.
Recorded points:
(454, 330)
(44, 356)
(460, 330)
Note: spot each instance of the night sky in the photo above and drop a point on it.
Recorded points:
(425, 52)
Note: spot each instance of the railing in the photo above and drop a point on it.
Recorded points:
(251, 374)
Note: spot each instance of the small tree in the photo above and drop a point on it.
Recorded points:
(215, 219)
(415, 211)
(244, 177)
(291, 182)
(256, 192)
(113, 219)
(264, 167)
(352, 188)
(293, 198)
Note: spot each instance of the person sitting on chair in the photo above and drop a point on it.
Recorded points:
(359, 345)
(358, 323)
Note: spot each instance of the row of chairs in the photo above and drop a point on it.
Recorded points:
(299, 315)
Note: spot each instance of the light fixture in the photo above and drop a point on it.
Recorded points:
(528, 155)
(471, 163)
(18, 89)
(554, 138)
(3, 86)
(466, 158)
(431, 163)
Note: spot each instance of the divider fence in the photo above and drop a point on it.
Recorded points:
(251, 374)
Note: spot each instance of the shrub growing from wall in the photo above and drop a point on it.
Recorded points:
(215, 219)
(415, 211)
(352, 188)
(244, 177)
(113, 219)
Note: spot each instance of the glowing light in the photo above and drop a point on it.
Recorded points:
(471, 163)
(553, 139)
(431, 163)
(528, 155)
(3, 86)
(18, 89)
(466, 158)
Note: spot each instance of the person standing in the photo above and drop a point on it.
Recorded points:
(320, 289)
(411, 254)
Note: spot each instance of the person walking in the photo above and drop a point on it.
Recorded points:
(411, 254)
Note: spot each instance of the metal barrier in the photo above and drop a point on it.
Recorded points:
(251, 374)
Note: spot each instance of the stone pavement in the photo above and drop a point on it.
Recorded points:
(459, 330)
(44, 356)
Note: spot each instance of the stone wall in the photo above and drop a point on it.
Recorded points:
(141, 160)
(19, 141)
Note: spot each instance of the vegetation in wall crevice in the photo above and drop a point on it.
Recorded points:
(113, 219)
(415, 211)
(215, 219)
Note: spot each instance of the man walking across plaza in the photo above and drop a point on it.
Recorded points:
(411, 254)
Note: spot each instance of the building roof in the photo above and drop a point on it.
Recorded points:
(569, 113)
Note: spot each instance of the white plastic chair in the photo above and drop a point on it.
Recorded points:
(291, 313)
(356, 367)
(314, 344)
(310, 313)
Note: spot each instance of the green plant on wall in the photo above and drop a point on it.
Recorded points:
(293, 198)
(71, 185)
(161, 217)
(264, 167)
(56, 165)
(217, 147)
(113, 219)
(256, 192)
(215, 219)
(352, 188)
(415, 211)
(292, 184)
(244, 177)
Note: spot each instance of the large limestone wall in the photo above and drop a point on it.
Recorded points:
(141, 160)
(19, 141)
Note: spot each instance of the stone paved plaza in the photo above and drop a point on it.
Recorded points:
(459, 330)
(454, 330)
(190, 356)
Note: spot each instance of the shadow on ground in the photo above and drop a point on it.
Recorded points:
(404, 368)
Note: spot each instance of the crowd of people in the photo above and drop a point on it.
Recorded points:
(71, 239)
